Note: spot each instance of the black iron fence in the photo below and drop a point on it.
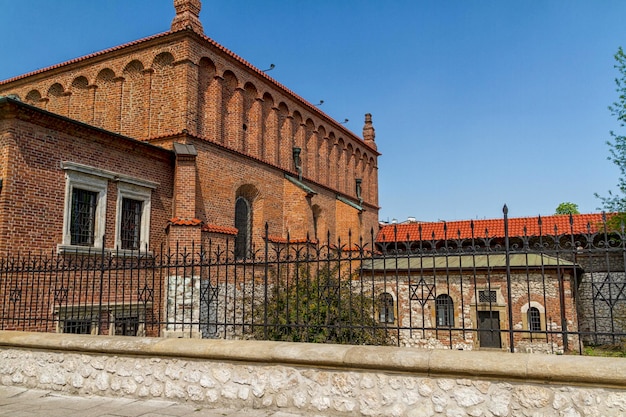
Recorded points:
(553, 292)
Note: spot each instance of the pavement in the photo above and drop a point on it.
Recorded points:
(23, 402)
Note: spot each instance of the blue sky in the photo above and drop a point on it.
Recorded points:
(475, 103)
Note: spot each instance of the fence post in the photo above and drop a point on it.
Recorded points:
(507, 248)
(102, 253)
(265, 281)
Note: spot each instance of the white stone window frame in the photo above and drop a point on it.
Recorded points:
(139, 193)
(88, 182)
(542, 320)
(95, 179)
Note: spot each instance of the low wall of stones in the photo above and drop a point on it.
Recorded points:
(316, 378)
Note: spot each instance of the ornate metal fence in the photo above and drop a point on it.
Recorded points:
(532, 293)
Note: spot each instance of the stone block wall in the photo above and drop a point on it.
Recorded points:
(309, 378)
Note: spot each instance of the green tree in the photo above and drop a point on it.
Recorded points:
(616, 202)
(319, 306)
(567, 208)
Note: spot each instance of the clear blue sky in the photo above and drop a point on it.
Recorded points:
(475, 103)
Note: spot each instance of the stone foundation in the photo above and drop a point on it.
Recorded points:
(328, 379)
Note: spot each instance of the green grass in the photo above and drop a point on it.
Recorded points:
(615, 351)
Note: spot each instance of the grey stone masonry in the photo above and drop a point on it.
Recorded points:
(315, 379)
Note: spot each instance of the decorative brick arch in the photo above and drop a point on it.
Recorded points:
(252, 141)
(270, 130)
(107, 100)
(209, 100)
(286, 131)
(34, 98)
(133, 100)
(161, 78)
(58, 99)
(81, 100)
(232, 111)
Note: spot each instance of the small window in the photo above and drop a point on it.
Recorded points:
(487, 297)
(534, 319)
(444, 310)
(83, 217)
(126, 326)
(386, 308)
(130, 228)
(77, 326)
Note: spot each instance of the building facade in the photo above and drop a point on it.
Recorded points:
(233, 151)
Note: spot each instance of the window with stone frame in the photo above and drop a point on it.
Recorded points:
(386, 308)
(85, 211)
(444, 311)
(83, 217)
(78, 326)
(534, 319)
(130, 226)
(533, 315)
(132, 217)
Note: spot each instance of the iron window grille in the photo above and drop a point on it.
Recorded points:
(444, 310)
(385, 308)
(77, 326)
(534, 319)
(83, 221)
(130, 227)
(487, 296)
(126, 326)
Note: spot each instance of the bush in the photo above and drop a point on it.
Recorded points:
(321, 307)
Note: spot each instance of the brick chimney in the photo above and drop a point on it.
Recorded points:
(187, 16)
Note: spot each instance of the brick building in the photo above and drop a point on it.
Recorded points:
(174, 139)
(562, 283)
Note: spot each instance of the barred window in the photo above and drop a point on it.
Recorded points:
(487, 296)
(77, 326)
(130, 227)
(126, 326)
(83, 217)
(385, 308)
(534, 319)
(444, 310)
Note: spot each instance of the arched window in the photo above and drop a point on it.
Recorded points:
(444, 310)
(243, 223)
(534, 319)
(385, 308)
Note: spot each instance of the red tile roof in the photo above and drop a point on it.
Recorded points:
(185, 222)
(225, 230)
(521, 226)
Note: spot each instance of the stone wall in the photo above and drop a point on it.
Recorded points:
(328, 379)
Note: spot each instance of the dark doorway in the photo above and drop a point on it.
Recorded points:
(489, 329)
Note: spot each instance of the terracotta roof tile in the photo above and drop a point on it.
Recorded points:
(521, 226)
(224, 230)
(185, 222)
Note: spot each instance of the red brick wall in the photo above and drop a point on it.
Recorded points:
(161, 86)
(33, 194)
